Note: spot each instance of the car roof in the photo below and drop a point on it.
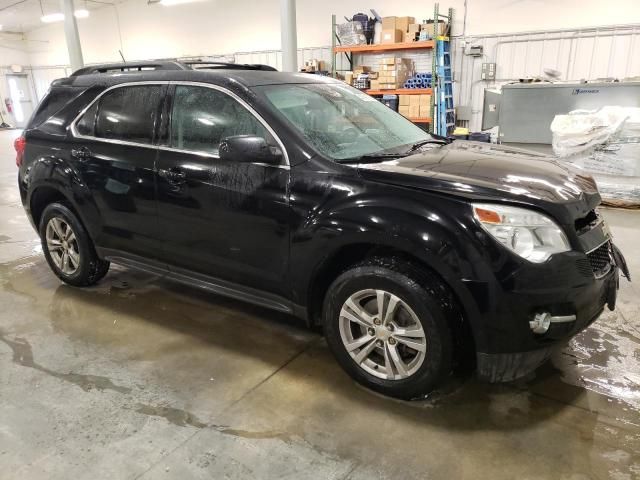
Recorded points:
(247, 78)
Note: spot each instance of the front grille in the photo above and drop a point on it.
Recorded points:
(584, 267)
(600, 259)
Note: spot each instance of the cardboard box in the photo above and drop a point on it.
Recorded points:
(403, 100)
(391, 36)
(374, 85)
(412, 32)
(348, 77)
(388, 23)
(403, 109)
(398, 63)
(314, 65)
(414, 111)
(373, 75)
(425, 105)
(394, 68)
(393, 63)
(414, 101)
(402, 23)
(434, 30)
(361, 69)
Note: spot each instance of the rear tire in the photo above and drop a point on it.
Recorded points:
(68, 249)
(404, 350)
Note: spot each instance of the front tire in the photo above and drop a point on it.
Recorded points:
(387, 325)
(68, 249)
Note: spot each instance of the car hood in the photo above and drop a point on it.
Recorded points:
(485, 171)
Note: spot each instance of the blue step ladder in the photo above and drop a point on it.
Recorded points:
(445, 116)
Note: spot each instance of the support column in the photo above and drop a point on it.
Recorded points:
(288, 35)
(71, 34)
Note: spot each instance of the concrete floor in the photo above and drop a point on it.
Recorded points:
(141, 378)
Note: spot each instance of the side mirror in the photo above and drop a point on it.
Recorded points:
(249, 148)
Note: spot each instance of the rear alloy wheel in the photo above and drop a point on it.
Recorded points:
(382, 334)
(63, 246)
(388, 324)
(68, 247)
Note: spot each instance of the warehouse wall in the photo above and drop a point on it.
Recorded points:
(583, 54)
(12, 52)
(217, 27)
(223, 26)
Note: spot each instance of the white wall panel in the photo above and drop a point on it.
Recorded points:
(217, 28)
(578, 54)
(43, 76)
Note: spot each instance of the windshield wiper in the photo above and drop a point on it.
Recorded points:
(422, 143)
(373, 156)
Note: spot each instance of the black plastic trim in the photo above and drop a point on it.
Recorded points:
(204, 282)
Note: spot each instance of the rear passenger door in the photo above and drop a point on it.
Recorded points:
(224, 219)
(115, 154)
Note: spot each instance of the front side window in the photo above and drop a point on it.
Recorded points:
(340, 121)
(125, 113)
(202, 117)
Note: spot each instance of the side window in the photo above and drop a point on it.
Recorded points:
(125, 113)
(87, 124)
(202, 117)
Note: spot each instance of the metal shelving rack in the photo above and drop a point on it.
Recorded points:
(350, 50)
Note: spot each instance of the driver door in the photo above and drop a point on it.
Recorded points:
(224, 219)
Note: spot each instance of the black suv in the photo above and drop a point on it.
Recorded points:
(304, 195)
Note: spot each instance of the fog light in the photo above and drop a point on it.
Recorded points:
(540, 323)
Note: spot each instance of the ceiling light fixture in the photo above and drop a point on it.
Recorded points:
(52, 17)
(168, 3)
(59, 17)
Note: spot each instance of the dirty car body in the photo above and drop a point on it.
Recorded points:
(277, 233)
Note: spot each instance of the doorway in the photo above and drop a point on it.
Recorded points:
(21, 98)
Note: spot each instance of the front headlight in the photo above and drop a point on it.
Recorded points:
(533, 236)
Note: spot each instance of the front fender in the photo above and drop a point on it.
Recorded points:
(434, 232)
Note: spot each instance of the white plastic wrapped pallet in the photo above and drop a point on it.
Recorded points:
(606, 144)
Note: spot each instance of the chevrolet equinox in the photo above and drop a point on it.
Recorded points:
(301, 194)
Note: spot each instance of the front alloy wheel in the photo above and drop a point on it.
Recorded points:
(387, 323)
(382, 334)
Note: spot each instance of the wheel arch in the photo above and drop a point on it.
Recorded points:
(41, 197)
(346, 256)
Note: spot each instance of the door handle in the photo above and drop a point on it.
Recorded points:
(81, 153)
(173, 175)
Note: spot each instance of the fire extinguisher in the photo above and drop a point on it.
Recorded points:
(9, 104)
(4, 124)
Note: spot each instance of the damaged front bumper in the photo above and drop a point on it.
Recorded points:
(549, 330)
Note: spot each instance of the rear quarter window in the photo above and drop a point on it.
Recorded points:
(55, 99)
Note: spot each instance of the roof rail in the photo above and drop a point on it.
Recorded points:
(130, 66)
(209, 65)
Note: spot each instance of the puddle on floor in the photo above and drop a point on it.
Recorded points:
(605, 359)
(23, 356)
(183, 418)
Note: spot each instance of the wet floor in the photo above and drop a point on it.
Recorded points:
(141, 378)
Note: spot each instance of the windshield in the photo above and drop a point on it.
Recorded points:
(342, 122)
